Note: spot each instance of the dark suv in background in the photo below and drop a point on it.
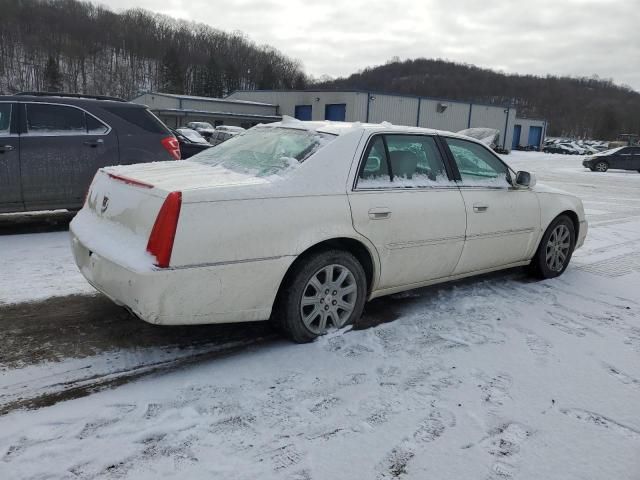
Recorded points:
(623, 158)
(52, 145)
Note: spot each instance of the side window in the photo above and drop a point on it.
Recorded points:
(415, 161)
(477, 166)
(374, 173)
(139, 117)
(95, 126)
(43, 119)
(5, 118)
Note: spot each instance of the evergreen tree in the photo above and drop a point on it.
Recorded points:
(52, 77)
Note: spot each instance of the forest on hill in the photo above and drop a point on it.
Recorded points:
(78, 46)
(75, 46)
(575, 107)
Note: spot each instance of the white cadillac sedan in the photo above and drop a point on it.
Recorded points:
(303, 222)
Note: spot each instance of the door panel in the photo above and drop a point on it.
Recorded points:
(503, 223)
(419, 234)
(60, 154)
(10, 189)
(336, 112)
(303, 112)
(535, 136)
(635, 151)
(503, 226)
(517, 131)
(417, 229)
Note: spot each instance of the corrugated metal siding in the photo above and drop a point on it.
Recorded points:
(156, 102)
(454, 118)
(212, 106)
(355, 103)
(399, 110)
(396, 110)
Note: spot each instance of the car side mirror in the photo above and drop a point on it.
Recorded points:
(525, 179)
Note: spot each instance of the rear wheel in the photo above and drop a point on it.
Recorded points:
(555, 249)
(602, 166)
(326, 290)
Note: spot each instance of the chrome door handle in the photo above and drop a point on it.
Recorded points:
(6, 148)
(479, 208)
(379, 213)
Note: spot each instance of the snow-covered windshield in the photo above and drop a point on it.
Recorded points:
(608, 152)
(201, 125)
(192, 135)
(264, 151)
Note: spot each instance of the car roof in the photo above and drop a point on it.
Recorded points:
(65, 100)
(341, 128)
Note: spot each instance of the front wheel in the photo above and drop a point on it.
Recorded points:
(326, 290)
(602, 166)
(555, 249)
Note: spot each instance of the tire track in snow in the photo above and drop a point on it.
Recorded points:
(601, 421)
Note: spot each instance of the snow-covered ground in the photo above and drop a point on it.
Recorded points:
(37, 266)
(500, 377)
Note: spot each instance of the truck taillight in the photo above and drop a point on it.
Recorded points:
(172, 146)
(163, 234)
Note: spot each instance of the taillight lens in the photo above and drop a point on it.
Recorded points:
(163, 234)
(172, 146)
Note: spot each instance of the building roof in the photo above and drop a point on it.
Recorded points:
(205, 99)
(374, 92)
(209, 113)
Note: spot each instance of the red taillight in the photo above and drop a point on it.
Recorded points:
(172, 146)
(160, 243)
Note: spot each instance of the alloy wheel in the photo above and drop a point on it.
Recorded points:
(328, 299)
(602, 167)
(558, 248)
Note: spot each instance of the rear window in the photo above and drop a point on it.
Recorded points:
(140, 117)
(264, 151)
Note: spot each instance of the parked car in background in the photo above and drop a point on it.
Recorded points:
(203, 128)
(560, 148)
(621, 158)
(224, 133)
(51, 146)
(489, 136)
(303, 222)
(191, 142)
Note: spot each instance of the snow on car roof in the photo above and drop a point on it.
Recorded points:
(340, 128)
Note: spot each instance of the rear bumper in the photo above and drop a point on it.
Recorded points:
(225, 293)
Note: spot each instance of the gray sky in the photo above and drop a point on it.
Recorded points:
(339, 37)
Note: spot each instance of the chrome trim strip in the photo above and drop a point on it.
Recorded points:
(219, 264)
(421, 243)
(500, 233)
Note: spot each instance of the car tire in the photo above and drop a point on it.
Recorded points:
(555, 249)
(601, 166)
(311, 301)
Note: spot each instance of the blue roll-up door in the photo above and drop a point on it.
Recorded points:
(303, 112)
(517, 130)
(335, 111)
(535, 136)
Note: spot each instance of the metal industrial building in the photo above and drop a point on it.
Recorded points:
(363, 106)
(177, 110)
(246, 108)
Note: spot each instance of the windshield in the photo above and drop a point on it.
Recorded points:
(264, 151)
(192, 135)
(609, 152)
